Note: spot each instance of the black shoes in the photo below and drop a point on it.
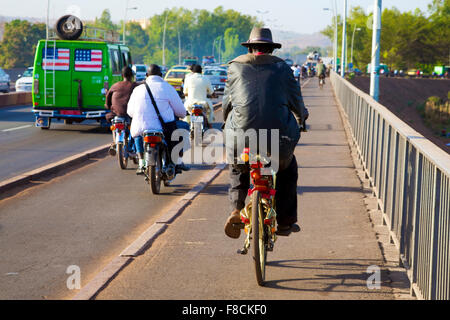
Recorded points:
(285, 230)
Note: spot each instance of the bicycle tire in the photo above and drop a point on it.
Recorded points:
(258, 239)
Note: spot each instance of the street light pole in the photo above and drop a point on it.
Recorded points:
(48, 13)
(164, 43)
(336, 35)
(179, 45)
(353, 39)
(375, 64)
(125, 21)
(344, 40)
(335, 40)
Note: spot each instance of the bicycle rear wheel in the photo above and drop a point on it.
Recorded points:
(258, 238)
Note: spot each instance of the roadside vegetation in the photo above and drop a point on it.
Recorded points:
(196, 32)
(409, 40)
(436, 115)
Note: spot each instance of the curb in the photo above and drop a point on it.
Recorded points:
(144, 241)
(54, 167)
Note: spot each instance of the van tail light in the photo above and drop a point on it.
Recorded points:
(152, 139)
(197, 112)
(36, 86)
(223, 80)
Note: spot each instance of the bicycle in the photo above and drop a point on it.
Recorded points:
(321, 81)
(259, 216)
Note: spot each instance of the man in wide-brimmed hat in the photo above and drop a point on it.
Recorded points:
(262, 93)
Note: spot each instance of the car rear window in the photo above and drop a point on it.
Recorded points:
(176, 75)
(28, 73)
(215, 73)
(141, 69)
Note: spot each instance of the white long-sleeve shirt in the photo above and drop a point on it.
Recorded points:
(141, 109)
(197, 87)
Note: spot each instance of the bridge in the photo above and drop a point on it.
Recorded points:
(373, 200)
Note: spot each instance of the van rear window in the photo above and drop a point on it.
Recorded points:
(88, 60)
(58, 59)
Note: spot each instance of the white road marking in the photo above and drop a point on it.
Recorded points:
(17, 128)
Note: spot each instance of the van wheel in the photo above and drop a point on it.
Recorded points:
(69, 27)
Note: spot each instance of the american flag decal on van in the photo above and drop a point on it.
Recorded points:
(59, 59)
(88, 60)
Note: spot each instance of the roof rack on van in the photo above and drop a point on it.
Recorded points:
(92, 34)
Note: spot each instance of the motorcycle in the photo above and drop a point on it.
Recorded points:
(199, 123)
(158, 166)
(123, 142)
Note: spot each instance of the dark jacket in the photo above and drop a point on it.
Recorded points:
(117, 98)
(262, 93)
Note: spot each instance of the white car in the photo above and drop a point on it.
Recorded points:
(25, 81)
(4, 81)
(140, 72)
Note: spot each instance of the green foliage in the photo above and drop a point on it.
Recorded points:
(19, 43)
(408, 39)
(194, 31)
(199, 31)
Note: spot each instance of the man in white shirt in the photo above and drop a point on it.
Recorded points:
(143, 113)
(196, 89)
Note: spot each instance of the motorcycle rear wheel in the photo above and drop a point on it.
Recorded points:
(123, 160)
(155, 175)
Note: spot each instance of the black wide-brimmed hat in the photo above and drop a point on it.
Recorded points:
(261, 36)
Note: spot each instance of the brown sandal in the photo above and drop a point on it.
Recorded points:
(230, 230)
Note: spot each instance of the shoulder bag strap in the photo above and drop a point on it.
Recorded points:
(154, 104)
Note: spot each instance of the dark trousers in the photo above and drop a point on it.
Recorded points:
(286, 187)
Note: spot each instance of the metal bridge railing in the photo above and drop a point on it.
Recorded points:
(410, 177)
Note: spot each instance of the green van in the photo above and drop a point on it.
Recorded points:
(71, 78)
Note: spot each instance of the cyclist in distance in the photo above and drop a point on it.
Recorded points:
(262, 93)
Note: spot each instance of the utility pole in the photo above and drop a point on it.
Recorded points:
(375, 65)
(344, 40)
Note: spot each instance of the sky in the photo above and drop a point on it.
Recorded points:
(288, 15)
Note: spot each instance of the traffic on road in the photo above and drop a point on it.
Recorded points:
(208, 155)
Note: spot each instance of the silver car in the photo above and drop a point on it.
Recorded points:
(4, 81)
(218, 78)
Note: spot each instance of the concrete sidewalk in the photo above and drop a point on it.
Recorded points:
(328, 259)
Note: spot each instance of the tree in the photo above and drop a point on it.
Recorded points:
(408, 39)
(231, 41)
(19, 43)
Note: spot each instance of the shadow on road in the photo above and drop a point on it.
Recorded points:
(326, 189)
(336, 273)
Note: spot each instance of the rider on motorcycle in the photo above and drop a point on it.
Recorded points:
(321, 71)
(197, 87)
(141, 109)
(117, 99)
